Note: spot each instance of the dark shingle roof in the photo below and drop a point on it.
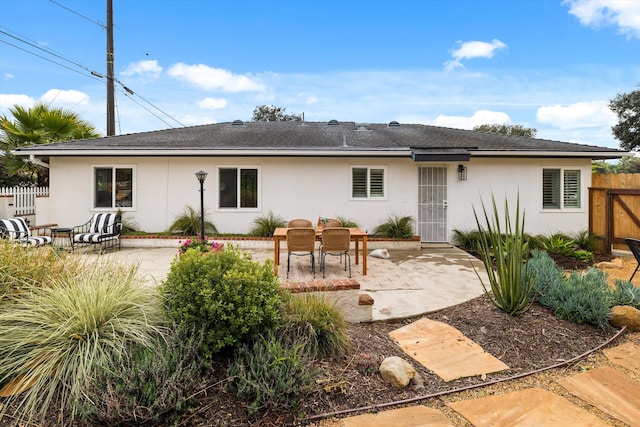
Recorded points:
(315, 136)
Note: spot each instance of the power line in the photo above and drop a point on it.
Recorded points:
(79, 14)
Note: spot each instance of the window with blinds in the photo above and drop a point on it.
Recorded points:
(368, 182)
(561, 189)
(571, 197)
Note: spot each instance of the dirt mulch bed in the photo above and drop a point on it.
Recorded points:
(537, 339)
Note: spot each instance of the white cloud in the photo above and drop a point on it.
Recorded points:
(148, 68)
(212, 103)
(209, 78)
(480, 117)
(65, 97)
(9, 100)
(311, 100)
(9, 76)
(625, 14)
(473, 49)
(579, 115)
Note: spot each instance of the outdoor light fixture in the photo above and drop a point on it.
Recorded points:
(201, 175)
(462, 173)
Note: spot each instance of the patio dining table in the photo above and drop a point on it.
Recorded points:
(357, 235)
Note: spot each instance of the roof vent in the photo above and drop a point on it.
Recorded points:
(393, 124)
(237, 123)
(333, 123)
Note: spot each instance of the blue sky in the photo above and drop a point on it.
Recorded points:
(549, 64)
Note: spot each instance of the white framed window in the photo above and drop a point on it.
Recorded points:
(238, 187)
(561, 188)
(113, 187)
(368, 182)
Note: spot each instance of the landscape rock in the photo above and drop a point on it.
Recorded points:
(417, 382)
(397, 371)
(625, 315)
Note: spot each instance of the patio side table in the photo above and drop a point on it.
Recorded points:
(62, 237)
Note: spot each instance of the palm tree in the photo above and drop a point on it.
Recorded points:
(40, 124)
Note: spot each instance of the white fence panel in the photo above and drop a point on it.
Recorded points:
(24, 198)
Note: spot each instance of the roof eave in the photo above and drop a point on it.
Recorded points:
(600, 155)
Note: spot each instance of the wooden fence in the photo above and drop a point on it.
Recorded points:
(614, 208)
(24, 198)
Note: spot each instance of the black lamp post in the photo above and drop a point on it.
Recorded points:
(201, 175)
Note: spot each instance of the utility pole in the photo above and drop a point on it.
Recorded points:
(111, 117)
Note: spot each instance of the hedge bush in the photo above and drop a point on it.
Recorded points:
(231, 296)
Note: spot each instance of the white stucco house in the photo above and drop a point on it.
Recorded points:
(311, 169)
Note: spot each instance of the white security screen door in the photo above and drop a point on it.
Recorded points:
(432, 204)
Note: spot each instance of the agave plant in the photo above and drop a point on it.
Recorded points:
(504, 250)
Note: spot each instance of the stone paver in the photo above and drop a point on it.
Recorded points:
(626, 355)
(414, 416)
(532, 407)
(444, 350)
(609, 390)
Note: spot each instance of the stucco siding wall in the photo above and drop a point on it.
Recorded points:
(311, 187)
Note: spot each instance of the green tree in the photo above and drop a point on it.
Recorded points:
(40, 124)
(627, 131)
(628, 165)
(514, 130)
(271, 113)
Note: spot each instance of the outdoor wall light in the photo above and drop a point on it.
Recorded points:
(201, 175)
(462, 173)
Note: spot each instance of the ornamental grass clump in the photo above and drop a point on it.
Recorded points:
(227, 293)
(38, 266)
(315, 323)
(504, 251)
(54, 339)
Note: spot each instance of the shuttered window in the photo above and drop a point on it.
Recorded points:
(561, 189)
(368, 182)
(571, 189)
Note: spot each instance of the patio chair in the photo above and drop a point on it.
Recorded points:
(634, 246)
(335, 241)
(17, 231)
(301, 241)
(102, 230)
(299, 222)
(332, 222)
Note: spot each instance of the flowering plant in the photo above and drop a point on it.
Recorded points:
(201, 245)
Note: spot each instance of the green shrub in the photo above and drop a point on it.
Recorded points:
(57, 337)
(625, 293)
(346, 222)
(395, 228)
(468, 240)
(559, 244)
(318, 325)
(586, 240)
(265, 226)
(504, 254)
(188, 223)
(544, 272)
(582, 298)
(271, 374)
(232, 297)
(155, 383)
